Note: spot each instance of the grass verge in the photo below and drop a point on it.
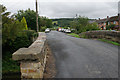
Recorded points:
(108, 41)
(74, 35)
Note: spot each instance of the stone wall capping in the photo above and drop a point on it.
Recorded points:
(32, 59)
(33, 52)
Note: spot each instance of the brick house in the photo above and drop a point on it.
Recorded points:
(102, 23)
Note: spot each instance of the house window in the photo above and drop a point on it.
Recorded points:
(114, 22)
(104, 23)
(104, 28)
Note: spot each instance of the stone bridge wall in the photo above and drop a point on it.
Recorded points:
(110, 35)
(32, 59)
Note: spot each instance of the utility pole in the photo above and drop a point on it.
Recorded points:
(37, 16)
(119, 14)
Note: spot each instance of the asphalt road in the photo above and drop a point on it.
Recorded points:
(83, 58)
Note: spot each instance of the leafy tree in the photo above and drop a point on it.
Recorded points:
(14, 36)
(63, 21)
(92, 26)
(43, 28)
(24, 23)
(81, 24)
(49, 23)
(30, 16)
(83, 21)
(44, 21)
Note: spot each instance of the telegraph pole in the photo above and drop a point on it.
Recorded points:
(37, 16)
(119, 14)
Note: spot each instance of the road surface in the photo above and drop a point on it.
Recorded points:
(83, 58)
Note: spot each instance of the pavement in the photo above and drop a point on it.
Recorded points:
(83, 58)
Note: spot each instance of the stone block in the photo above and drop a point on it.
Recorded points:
(32, 70)
(24, 70)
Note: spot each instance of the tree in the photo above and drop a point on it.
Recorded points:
(23, 21)
(30, 16)
(92, 26)
(11, 28)
(81, 24)
(49, 23)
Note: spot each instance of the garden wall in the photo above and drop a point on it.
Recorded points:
(103, 34)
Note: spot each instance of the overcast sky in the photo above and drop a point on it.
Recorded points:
(66, 8)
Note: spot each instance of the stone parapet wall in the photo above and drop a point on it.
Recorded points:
(102, 34)
(32, 59)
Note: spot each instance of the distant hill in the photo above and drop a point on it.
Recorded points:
(66, 21)
(63, 21)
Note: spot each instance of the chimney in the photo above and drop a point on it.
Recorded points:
(107, 17)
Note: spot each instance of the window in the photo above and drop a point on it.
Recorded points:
(104, 28)
(108, 23)
(114, 22)
(104, 23)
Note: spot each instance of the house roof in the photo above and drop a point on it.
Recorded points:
(102, 20)
(114, 18)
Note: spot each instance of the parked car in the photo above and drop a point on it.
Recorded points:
(47, 30)
(60, 29)
(64, 30)
(68, 31)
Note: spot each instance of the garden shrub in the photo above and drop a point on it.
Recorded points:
(42, 29)
(111, 26)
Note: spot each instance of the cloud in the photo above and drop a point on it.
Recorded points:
(66, 8)
(70, 9)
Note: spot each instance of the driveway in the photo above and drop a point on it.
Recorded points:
(83, 58)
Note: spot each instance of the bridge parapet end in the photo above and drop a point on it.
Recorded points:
(32, 59)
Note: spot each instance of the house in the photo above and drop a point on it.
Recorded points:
(102, 23)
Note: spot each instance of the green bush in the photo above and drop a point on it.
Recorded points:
(23, 40)
(14, 36)
(111, 26)
(82, 24)
(30, 16)
(73, 31)
(31, 34)
(43, 28)
(91, 27)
